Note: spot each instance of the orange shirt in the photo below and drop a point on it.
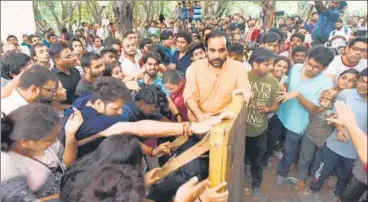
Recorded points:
(213, 89)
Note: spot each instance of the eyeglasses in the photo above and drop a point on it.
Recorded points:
(356, 49)
(52, 91)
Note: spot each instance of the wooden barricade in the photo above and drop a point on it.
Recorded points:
(227, 151)
(226, 143)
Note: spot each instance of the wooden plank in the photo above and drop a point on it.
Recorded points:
(178, 142)
(227, 151)
(189, 155)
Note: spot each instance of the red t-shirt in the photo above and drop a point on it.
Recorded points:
(366, 167)
(179, 102)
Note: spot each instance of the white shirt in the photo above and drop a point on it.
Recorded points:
(129, 68)
(337, 66)
(339, 41)
(13, 102)
(101, 33)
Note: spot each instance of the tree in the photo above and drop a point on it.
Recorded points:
(95, 10)
(123, 11)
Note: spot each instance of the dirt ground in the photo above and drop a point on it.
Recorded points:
(272, 193)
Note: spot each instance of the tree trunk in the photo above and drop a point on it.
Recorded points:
(221, 8)
(307, 11)
(51, 7)
(123, 11)
(79, 13)
(70, 11)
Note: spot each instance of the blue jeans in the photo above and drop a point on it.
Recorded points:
(329, 161)
(290, 146)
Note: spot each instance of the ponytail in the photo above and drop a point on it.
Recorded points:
(7, 125)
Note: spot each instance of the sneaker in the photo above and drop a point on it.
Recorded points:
(299, 185)
(256, 191)
(291, 181)
(280, 180)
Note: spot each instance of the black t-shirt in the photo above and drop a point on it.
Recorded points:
(69, 82)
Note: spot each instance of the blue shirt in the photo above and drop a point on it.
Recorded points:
(359, 107)
(93, 123)
(157, 82)
(184, 13)
(132, 114)
(291, 113)
(182, 64)
(325, 24)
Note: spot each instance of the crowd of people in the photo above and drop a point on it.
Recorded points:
(84, 113)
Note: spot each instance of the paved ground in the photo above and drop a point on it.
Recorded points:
(272, 193)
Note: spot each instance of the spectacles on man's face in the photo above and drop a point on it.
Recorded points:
(50, 90)
(356, 49)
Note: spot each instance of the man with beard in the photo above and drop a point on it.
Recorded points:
(295, 40)
(340, 35)
(129, 63)
(93, 66)
(214, 78)
(299, 54)
(36, 84)
(40, 55)
(65, 70)
(353, 58)
(151, 63)
(304, 87)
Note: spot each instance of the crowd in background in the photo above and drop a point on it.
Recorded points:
(88, 115)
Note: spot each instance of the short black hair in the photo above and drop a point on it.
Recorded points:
(33, 48)
(298, 35)
(172, 76)
(30, 37)
(299, 49)
(364, 72)
(144, 42)
(236, 48)
(271, 37)
(355, 40)
(110, 67)
(55, 49)
(128, 33)
(48, 36)
(108, 50)
(215, 34)
(71, 40)
(152, 55)
(153, 95)
(109, 89)
(322, 55)
(14, 62)
(195, 46)
(339, 20)
(166, 35)
(11, 36)
(96, 37)
(260, 55)
(87, 58)
(64, 30)
(36, 75)
(186, 35)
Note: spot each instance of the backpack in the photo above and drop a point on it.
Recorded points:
(345, 31)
